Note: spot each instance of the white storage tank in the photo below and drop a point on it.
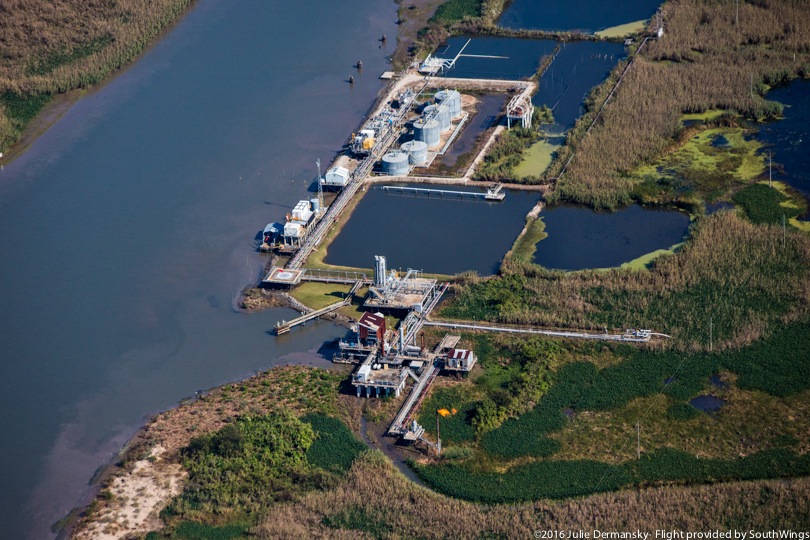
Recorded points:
(442, 114)
(417, 152)
(395, 163)
(453, 100)
(316, 206)
(427, 132)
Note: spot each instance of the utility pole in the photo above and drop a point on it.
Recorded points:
(711, 343)
(438, 437)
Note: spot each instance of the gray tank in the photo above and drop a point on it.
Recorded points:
(442, 114)
(453, 100)
(427, 132)
(417, 152)
(395, 163)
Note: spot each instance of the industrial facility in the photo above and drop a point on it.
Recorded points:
(289, 236)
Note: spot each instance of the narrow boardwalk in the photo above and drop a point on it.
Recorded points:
(637, 336)
(285, 326)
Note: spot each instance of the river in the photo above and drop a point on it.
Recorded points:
(127, 232)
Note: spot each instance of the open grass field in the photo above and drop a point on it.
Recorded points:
(319, 295)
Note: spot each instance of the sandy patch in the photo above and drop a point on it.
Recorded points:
(137, 498)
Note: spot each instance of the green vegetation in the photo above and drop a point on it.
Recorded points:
(456, 10)
(562, 479)
(245, 465)
(238, 470)
(526, 244)
(763, 204)
(455, 428)
(319, 295)
(778, 366)
(519, 149)
(622, 30)
(335, 447)
(706, 165)
(21, 109)
(536, 159)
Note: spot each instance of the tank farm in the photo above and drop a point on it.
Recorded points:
(416, 120)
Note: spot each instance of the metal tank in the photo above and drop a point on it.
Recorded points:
(316, 206)
(395, 163)
(417, 152)
(427, 132)
(442, 114)
(453, 100)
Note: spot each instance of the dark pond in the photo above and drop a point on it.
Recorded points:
(127, 232)
(584, 15)
(443, 236)
(486, 115)
(789, 138)
(717, 382)
(720, 141)
(579, 238)
(490, 57)
(707, 403)
(578, 67)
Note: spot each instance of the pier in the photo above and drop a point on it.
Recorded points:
(494, 193)
(284, 327)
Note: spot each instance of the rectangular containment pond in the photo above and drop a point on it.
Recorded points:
(579, 238)
(584, 15)
(487, 112)
(444, 236)
(578, 67)
(490, 57)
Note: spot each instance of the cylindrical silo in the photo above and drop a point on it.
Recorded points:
(442, 114)
(395, 163)
(427, 132)
(417, 152)
(316, 205)
(453, 100)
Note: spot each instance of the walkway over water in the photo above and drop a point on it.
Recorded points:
(285, 326)
(494, 193)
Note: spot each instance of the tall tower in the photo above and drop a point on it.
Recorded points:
(380, 278)
(320, 186)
